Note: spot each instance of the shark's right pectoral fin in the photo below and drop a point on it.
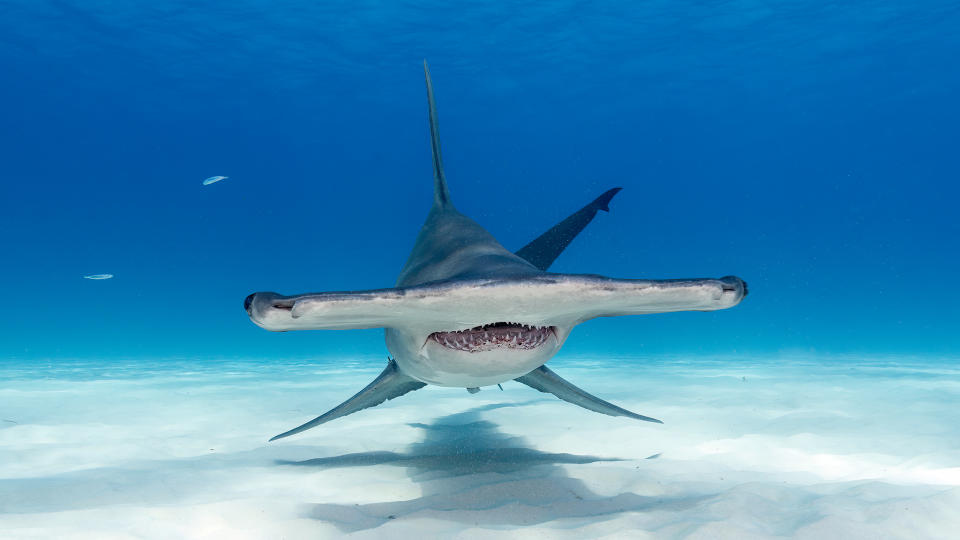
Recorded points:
(389, 384)
(545, 380)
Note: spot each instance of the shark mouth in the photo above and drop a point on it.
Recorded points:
(494, 336)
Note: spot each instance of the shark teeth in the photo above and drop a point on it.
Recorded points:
(494, 336)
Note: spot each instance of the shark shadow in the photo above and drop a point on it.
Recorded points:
(470, 471)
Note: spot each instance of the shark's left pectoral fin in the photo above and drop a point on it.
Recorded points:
(545, 380)
(389, 384)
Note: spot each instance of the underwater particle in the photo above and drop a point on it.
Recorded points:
(213, 179)
(98, 276)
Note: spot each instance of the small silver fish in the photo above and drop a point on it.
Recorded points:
(213, 179)
(98, 276)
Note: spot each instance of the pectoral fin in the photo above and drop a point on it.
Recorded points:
(545, 380)
(389, 384)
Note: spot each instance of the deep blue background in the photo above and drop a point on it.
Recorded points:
(810, 148)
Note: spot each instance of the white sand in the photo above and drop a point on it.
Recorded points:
(845, 448)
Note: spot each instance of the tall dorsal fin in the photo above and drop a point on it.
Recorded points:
(441, 195)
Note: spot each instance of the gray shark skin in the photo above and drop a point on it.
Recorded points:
(466, 312)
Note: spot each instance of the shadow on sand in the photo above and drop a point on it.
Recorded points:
(471, 472)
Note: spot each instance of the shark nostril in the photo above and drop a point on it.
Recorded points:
(247, 301)
(732, 283)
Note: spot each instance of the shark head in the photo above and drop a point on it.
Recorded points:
(483, 331)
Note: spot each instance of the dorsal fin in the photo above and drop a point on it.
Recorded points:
(441, 195)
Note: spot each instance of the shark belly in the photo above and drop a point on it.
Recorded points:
(428, 361)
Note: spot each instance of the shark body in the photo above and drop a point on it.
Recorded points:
(466, 312)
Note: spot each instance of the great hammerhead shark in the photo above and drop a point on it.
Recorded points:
(465, 312)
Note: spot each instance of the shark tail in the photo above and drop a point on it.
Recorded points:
(546, 381)
(389, 384)
(545, 249)
(441, 195)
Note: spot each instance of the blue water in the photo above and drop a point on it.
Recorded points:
(809, 148)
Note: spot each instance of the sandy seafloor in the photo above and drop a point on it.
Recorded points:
(805, 447)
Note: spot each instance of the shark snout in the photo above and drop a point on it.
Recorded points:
(247, 301)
